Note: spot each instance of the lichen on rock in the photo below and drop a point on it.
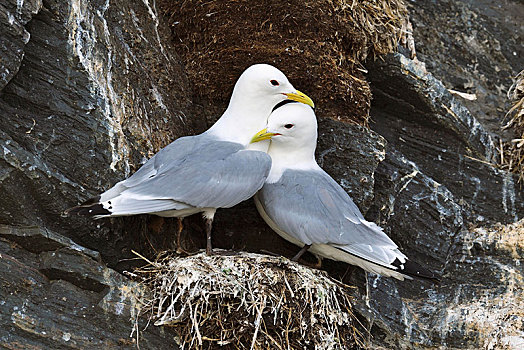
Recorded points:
(493, 313)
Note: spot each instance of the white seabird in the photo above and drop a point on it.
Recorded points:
(212, 170)
(305, 206)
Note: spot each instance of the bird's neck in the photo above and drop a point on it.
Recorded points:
(284, 158)
(240, 123)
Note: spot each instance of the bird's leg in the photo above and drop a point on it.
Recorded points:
(318, 264)
(208, 217)
(180, 227)
(301, 252)
(209, 247)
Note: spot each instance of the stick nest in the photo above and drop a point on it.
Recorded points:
(318, 44)
(248, 301)
(513, 152)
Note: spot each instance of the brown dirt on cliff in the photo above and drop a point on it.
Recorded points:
(319, 45)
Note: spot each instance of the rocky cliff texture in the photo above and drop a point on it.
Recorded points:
(58, 295)
(90, 89)
(98, 91)
(428, 196)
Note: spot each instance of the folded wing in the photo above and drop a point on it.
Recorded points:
(312, 207)
(191, 172)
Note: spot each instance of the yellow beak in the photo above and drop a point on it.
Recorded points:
(262, 135)
(300, 97)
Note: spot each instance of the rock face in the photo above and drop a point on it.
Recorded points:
(56, 294)
(97, 93)
(438, 181)
(474, 47)
(13, 17)
(90, 89)
(431, 128)
(435, 182)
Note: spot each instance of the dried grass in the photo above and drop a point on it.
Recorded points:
(319, 44)
(248, 301)
(512, 152)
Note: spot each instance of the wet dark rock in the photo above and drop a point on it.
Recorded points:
(37, 240)
(97, 93)
(88, 91)
(473, 47)
(14, 15)
(63, 298)
(350, 154)
(431, 127)
(438, 178)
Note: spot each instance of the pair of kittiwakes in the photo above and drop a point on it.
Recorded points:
(264, 147)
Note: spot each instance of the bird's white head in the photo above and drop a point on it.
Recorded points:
(292, 129)
(265, 86)
(257, 91)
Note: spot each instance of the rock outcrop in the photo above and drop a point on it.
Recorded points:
(438, 180)
(88, 91)
(98, 91)
(474, 48)
(57, 294)
(14, 16)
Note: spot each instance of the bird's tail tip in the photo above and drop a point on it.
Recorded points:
(414, 269)
(91, 207)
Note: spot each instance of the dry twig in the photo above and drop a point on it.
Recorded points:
(513, 159)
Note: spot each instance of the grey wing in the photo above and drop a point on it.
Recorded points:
(176, 152)
(312, 207)
(201, 173)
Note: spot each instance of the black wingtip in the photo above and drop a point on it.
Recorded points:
(91, 207)
(413, 269)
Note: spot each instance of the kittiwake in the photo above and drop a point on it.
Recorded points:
(305, 206)
(198, 174)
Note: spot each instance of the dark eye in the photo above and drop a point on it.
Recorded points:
(274, 82)
(288, 126)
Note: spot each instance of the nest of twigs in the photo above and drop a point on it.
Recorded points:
(319, 44)
(248, 301)
(513, 152)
